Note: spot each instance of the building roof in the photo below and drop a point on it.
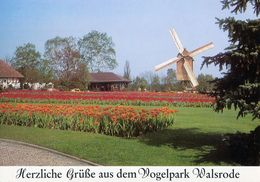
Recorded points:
(102, 77)
(6, 71)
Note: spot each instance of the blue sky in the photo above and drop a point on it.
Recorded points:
(139, 28)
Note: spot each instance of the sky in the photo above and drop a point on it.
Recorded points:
(139, 28)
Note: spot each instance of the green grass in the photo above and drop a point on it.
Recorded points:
(193, 140)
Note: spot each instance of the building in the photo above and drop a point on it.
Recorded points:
(107, 81)
(9, 77)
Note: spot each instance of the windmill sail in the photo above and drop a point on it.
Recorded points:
(176, 40)
(201, 49)
(190, 74)
(166, 63)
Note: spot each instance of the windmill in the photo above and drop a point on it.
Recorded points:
(184, 60)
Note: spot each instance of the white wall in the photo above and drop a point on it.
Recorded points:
(5, 82)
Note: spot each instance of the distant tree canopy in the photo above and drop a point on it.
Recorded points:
(27, 60)
(46, 72)
(155, 84)
(166, 83)
(66, 61)
(139, 83)
(97, 51)
(63, 56)
(205, 83)
(170, 80)
(240, 85)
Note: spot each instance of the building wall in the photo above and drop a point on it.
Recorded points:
(5, 82)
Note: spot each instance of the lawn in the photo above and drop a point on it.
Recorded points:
(194, 139)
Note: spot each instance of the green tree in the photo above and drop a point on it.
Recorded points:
(139, 83)
(45, 71)
(156, 83)
(205, 83)
(170, 80)
(240, 85)
(97, 51)
(181, 86)
(27, 60)
(148, 76)
(81, 76)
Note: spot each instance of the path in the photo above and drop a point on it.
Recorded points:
(13, 153)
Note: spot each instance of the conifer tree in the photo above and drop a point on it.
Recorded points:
(240, 84)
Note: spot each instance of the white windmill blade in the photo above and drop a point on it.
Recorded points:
(190, 74)
(201, 49)
(166, 63)
(176, 40)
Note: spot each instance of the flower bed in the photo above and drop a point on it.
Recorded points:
(122, 121)
(110, 98)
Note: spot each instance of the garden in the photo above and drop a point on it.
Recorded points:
(123, 128)
(160, 124)
(123, 114)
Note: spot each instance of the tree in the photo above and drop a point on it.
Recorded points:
(64, 58)
(148, 76)
(81, 76)
(170, 80)
(97, 51)
(156, 83)
(79, 79)
(205, 83)
(127, 70)
(139, 83)
(26, 60)
(45, 71)
(240, 86)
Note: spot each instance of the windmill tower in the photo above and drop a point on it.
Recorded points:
(184, 60)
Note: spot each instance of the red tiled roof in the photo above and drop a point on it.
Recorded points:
(6, 71)
(106, 77)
